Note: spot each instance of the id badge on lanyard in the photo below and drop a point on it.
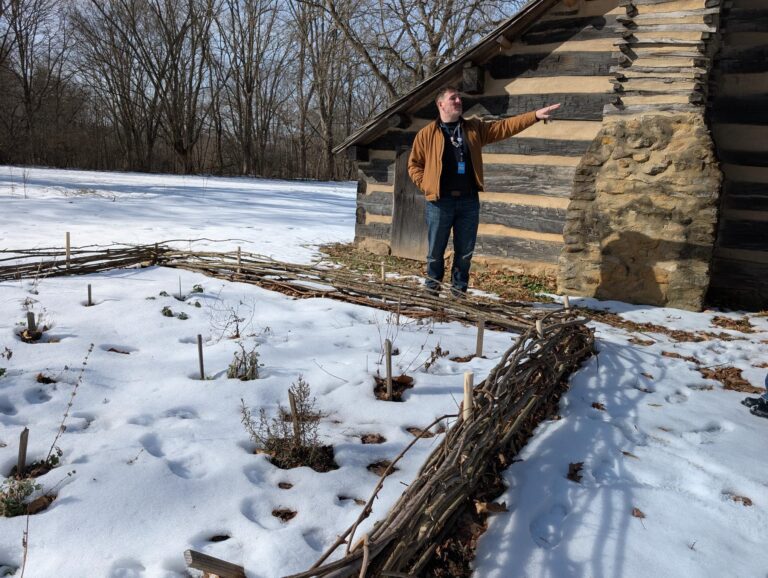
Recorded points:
(461, 167)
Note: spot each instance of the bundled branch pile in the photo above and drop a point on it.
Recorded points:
(518, 393)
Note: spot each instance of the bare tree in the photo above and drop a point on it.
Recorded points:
(110, 68)
(36, 59)
(254, 52)
(402, 42)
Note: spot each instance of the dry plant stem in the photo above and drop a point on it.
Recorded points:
(366, 553)
(78, 381)
(25, 546)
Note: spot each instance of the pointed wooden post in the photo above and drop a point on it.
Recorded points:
(31, 325)
(540, 329)
(90, 300)
(383, 272)
(200, 356)
(295, 419)
(480, 331)
(388, 356)
(21, 465)
(239, 259)
(68, 249)
(466, 413)
(566, 303)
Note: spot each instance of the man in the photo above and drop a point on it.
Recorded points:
(446, 164)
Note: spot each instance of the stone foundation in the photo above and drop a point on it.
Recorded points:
(641, 222)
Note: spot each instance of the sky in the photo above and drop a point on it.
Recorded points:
(154, 461)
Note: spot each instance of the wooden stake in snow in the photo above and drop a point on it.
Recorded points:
(388, 356)
(383, 272)
(212, 566)
(200, 356)
(22, 463)
(566, 303)
(540, 329)
(294, 418)
(480, 331)
(90, 300)
(31, 325)
(66, 243)
(239, 259)
(466, 413)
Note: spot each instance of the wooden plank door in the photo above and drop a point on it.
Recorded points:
(409, 231)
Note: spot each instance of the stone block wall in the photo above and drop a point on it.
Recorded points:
(642, 218)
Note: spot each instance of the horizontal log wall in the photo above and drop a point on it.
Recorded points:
(565, 57)
(739, 120)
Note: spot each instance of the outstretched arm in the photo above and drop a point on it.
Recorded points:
(543, 113)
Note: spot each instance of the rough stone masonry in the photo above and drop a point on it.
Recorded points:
(642, 218)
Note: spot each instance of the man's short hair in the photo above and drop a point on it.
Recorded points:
(445, 90)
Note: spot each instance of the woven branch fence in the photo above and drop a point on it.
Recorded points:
(297, 280)
(518, 393)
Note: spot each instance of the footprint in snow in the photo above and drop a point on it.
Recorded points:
(181, 413)
(6, 407)
(677, 397)
(189, 467)
(151, 443)
(36, 396)
(706, 434)
(127, 568)
(547, 529)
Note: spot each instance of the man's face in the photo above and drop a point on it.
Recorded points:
(450, 106)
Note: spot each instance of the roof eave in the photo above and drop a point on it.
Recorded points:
(510, 28)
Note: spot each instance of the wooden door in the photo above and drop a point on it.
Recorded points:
(409, 231)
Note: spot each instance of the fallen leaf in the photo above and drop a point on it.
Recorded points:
(599, 406)
(490, 507)
(574, 471)
(637, 513)
(743, 499)
(647, 375)
(630, 455)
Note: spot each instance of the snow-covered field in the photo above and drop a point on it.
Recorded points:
(160, 462)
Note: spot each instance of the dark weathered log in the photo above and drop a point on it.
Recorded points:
(738, 284)
(518, 248)
(740, 110)
(529, 179)
(357, 153)
(377, 203)
(633, 42)
(742, 157)
(382, 231)
(473, 79)
(745, 196)
(742, 234)
(742, 59)
(399, 120)
(550, 64)
(379, 171)
(564, 29)
(539, 219)
(741, 20)
(539, 146)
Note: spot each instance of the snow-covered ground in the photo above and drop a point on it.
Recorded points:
(674, 477)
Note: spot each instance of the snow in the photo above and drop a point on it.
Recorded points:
(160, 462)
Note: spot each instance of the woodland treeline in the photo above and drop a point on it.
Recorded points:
(235, 87)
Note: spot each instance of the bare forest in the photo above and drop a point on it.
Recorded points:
(230, 87)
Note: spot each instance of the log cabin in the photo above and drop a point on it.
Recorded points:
(650, 187)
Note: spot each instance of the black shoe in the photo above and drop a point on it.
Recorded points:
(750, 401)
(432, 292)
(458, 293)
(760, 409)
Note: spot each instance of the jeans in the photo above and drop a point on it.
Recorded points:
(462, 215)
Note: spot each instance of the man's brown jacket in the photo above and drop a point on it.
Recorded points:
(426, 160)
